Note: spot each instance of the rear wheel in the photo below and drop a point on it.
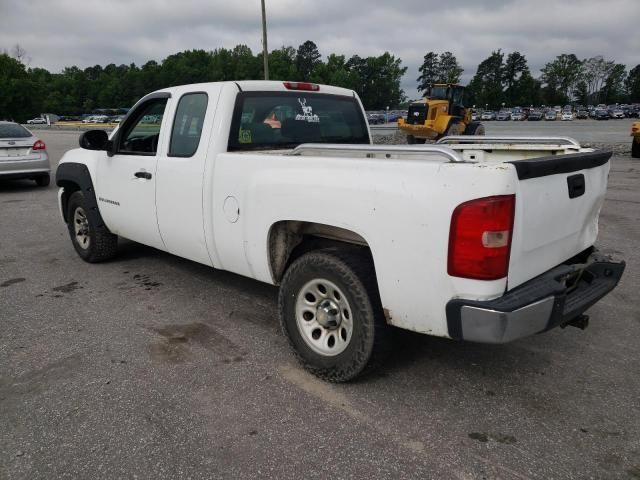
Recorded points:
(43, 181)
(411, 139)
(93, 242)
(635, 148)
(331, 313)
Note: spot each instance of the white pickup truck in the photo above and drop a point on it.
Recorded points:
(482, 239)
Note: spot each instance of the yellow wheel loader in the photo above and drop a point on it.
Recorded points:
(440, 114)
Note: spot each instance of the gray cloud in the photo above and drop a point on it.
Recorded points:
(59, 33)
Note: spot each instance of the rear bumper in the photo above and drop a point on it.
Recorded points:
(36, 166)
(553, 299)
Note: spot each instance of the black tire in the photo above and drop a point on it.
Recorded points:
(474, 128)
(43, 181)
(453, 129)
(351, 270)
(421, 141)
(101, 244)
(635, 148)
(411, 139)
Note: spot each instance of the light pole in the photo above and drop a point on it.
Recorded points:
(265, 51)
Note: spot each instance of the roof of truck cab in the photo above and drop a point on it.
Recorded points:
(260, 85)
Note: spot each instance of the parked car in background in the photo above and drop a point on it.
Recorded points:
(550, 115)
(601, 114)
(518, 116)
(617, 113)
(475, 116)
(100, 119)
(375, 119)
(488, 115)
(535, 116)
(503, 115)
(116, 119)
(37, 121)
(582, 114)
(23, 155)
(566, 116)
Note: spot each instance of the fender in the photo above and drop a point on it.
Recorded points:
(71, 175)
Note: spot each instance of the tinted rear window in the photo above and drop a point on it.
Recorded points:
(13, 130)
(271, 120)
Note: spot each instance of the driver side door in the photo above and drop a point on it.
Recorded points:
(126, 180)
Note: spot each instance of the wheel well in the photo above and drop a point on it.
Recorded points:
(290, 239)
(69, 188)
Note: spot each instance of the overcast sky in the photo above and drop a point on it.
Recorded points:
(59, 33)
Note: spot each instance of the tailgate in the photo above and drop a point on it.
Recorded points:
(558, 201)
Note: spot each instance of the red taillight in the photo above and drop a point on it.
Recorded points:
(39, 145)
(480, 238)
(312, 87)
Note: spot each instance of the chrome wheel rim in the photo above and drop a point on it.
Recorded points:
(81, 226)
(324, 317)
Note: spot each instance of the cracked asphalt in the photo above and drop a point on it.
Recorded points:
(151, 366)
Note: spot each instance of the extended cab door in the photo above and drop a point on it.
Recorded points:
(126, 182)
(181, 166)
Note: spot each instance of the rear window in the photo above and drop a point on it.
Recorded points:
(272, 120)
(13, 130)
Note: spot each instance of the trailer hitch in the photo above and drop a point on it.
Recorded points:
(581, 322)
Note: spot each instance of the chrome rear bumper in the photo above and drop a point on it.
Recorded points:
(555, 298)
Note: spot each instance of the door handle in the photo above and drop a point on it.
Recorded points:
(145, 175)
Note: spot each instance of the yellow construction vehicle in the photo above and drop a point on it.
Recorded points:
(440, 114)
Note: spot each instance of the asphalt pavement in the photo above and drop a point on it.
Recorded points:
(152, 366)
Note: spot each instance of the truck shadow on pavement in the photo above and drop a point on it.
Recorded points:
(10, 186)
(411, 353)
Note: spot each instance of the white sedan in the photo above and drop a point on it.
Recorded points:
(567, 116)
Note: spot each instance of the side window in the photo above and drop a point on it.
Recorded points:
(142, 130)
(187, 124)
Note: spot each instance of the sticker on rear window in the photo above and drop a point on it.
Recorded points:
(244, 136)
(307, 114)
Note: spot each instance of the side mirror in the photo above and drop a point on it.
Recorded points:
(94, 140)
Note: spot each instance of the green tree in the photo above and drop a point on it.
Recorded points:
(429, 71)
(515, 66)
(449, 70)
(561, 77)
(443, 68)
(307, 59)
(632, 84)
(613, 90)
(282, 64)
(485, 87)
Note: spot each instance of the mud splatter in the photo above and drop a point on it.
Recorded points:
(12, 281)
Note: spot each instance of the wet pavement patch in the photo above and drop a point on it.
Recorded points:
(175, 344)
(12, 281)
(67, 288)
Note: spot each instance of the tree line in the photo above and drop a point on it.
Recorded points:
(25, 92)
(506, 80)
(499, 79)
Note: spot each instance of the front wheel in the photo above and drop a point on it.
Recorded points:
(93, 242)
(331, 313)
(474, 128)
(635, 148)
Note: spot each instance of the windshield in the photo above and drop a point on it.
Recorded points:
(13, 130)
(439, 92)
(271, 120)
